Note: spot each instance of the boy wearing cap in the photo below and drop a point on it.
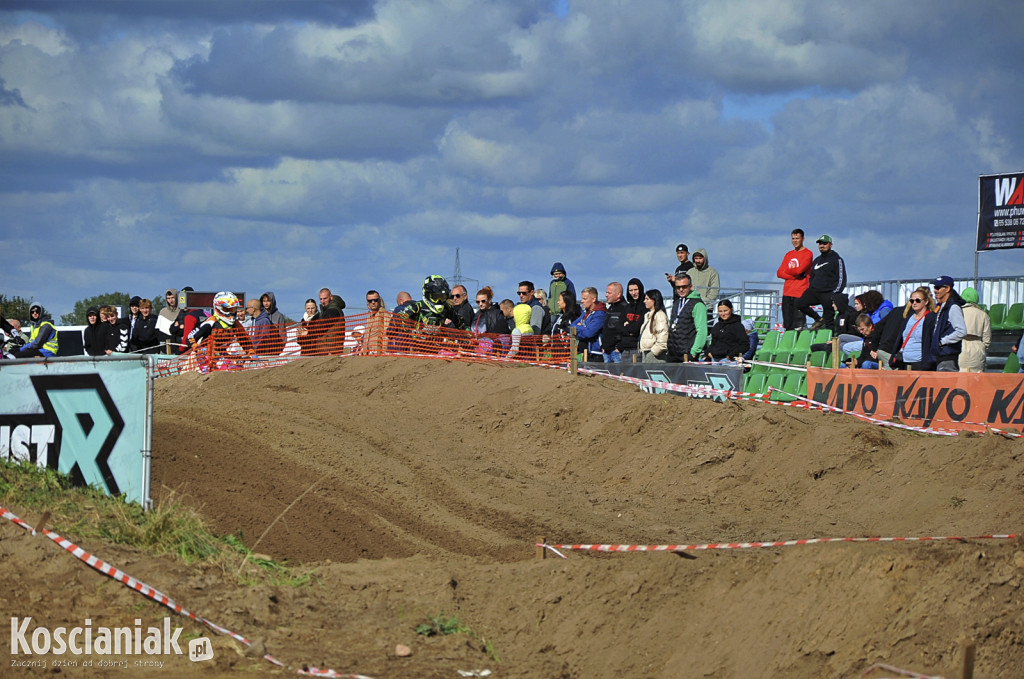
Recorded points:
(827, 277)
(683, 255)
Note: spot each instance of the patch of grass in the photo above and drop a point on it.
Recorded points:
(168, 528)
(443, 625)
(957, 502)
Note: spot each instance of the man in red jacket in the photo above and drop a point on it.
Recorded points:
(794, 269)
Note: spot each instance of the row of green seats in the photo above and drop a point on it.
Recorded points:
(792, 346)
(792, 381)
(1007, 318)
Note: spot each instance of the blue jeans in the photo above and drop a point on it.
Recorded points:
(613, 357)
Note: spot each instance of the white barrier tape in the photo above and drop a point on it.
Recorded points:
(159, 597)
(753, 545)
(665, 386)
(904, 674)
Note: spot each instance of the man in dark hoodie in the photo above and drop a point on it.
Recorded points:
(172, 318)
(559, 282)
(630, 341)
(332, 315)
(94, 336)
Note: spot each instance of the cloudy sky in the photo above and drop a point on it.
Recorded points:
(261, 145)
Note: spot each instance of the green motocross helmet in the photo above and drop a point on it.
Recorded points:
(436, 292)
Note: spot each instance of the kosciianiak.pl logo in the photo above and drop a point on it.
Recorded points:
(87, 640)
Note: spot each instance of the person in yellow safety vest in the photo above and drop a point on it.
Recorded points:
(42, 338)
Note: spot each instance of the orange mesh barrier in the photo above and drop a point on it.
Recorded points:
(383, 334)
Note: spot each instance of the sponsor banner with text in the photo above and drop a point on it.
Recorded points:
(1001, 211)
(88, 418)
(973, 401)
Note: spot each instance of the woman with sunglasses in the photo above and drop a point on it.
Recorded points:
(912, 344)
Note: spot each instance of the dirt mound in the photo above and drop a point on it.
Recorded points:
(421, 487)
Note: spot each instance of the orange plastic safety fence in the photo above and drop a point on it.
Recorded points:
(382, 334)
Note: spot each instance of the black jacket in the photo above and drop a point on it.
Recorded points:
(94, 337)
(613, 330)
(144, 339)
(828, 273)
(728, 338)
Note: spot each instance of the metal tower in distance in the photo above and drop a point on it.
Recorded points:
(458, 279)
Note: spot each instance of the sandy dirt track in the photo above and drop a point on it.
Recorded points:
(418, 486)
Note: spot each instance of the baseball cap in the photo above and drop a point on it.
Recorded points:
(942, 281)
(824, 238)
(682, 248)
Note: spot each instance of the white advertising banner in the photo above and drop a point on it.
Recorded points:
(90, 418)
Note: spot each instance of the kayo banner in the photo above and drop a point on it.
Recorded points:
(1001, 211)
(88, 418)
(972, 401)
(699, 375)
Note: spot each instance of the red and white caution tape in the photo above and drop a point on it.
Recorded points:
(161, 598)
(752, 545)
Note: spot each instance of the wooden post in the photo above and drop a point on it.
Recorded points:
(836, 358)
(967, 672)
(572, 351)
(541, 552)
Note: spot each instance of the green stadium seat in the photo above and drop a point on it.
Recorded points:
(771, 340)
(803, 340)
(794, 383)
(798, 357)
(1014, 317)
(1012, 364)
(753, 383)
(788, 340)
(821, 359)
(997, 314)
(782, 356)
(821, 336)
(775, 379)
(762, 325)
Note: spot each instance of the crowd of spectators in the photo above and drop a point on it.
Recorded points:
(938, 329)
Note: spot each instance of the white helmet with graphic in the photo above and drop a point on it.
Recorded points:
(224, 306)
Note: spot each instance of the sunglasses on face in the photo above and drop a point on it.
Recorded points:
(483, 301)
(457, 296)
(373, 301)
(682, 287)
(917, 301)
(524, 292)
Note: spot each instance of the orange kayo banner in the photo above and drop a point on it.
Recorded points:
(972, 401)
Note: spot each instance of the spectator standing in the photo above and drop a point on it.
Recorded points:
(461, 305)
(559, 283)
(614, 323)
(654, 330)
(705, 277)
(794, 271)
(688, 329)
(684, 265)
(974, 350)
(828, 276)
(95, 333)
(590, 323)
(308, 332)
(488, 320)
(950, 328)
(244, 320)
(117, 332)
(521, 317)
(262, 330)
(402, 300)
(144, 339)
(728, 338)
(174, 318)
(375, 334)
(133, 318)
(542, 297)
(568, 312)
(913, 342)
(332, 318)
(540, 317)
(629, 344)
